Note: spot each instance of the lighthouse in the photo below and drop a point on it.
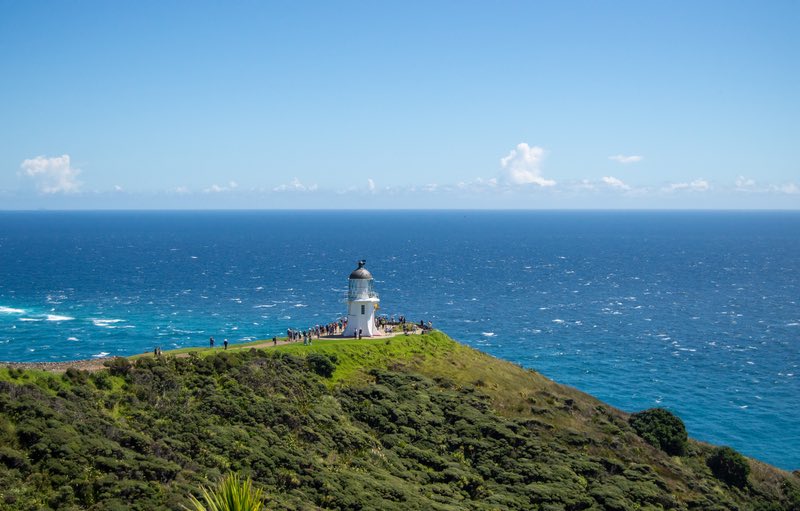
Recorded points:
(361, 303)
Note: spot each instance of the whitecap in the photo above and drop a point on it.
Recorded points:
(31, 319)
(11, 310)
(101, 354)
(264, 306)
(300, 305)
(56, 317)
(106, 323)
(787, 324)
(488, 334)
(559, 321)
(72, 338)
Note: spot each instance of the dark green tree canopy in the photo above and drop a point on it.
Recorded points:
(661, 428)
(729, 466)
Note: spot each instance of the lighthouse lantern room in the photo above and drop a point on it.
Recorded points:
(362, 301)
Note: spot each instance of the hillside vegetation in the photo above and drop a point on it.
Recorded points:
(412, 422)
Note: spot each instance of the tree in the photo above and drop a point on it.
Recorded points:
(662, 429)
(729, 466)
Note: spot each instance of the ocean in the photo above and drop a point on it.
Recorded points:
(697, 312)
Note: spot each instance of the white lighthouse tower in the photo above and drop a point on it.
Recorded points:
(361, 304)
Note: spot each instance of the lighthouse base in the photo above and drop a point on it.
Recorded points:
(361, 319)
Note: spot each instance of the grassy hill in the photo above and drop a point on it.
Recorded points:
(411, 422)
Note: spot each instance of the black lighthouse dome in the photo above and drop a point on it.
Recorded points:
(361, 273)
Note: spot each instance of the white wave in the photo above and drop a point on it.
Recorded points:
(56, 317)
(559, 321)
(106, 323)
(31, 319)
(285, 317)
(300, 305)
(488, 334)
(11, 310)
(787, 324)
(264, 306)
(101, 354)
(72, 338)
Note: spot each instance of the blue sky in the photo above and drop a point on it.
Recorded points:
(399, 105)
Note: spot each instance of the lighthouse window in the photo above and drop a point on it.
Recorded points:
(363, 309)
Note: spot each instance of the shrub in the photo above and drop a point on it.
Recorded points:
(662, 429)
(729, 466)
(323, 365)
(118, 366)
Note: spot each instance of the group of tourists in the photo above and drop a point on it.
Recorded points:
(386, 324)
(389, 323)
(317, 331)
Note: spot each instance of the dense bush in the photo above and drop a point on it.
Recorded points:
(662, 429)
(322, 364)
(154, 432)
(118, 366)
(729, 466)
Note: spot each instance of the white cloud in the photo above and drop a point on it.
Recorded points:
(789, 188)
(215, 188)
(522, 164)
(698, 185)
(613, 182)
(743, 183)
(118, 188)
(621, 158)
(370, 185)
(295, 186)
(52, 175)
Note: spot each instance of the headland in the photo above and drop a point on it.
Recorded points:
(406, 422)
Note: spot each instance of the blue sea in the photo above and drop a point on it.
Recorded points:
(698, 312)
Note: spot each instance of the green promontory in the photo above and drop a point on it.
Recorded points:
(411, 422)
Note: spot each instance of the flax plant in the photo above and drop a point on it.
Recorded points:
(231, 493)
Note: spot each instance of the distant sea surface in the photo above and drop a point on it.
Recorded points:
(694, 311)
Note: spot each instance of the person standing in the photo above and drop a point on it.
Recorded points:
(211, 342)
(225, 343)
